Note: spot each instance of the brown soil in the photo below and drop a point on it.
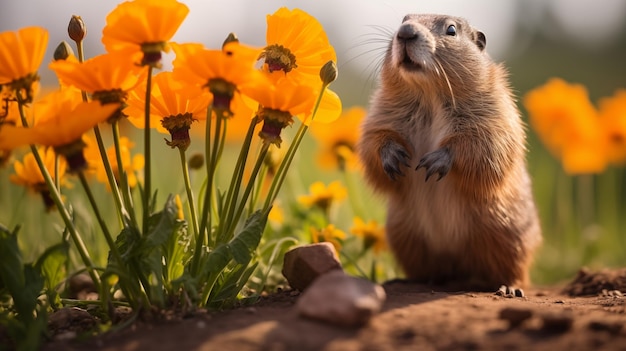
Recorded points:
(588, 314)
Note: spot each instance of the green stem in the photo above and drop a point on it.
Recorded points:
(235, 183)
(121, 210)
(205, 221)
(244, 199)
(147, 191)
(57, 177)
(109, 238)
(190, 199)
(56, 198)
(286, 163)
(123, 179)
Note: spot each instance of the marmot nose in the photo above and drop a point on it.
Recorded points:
(407, 32)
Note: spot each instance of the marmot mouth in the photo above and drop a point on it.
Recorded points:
(409, 64)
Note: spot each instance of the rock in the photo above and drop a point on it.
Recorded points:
(340, 299)
(304, 264)
(515, 316)
(70, 319)
(557, 323)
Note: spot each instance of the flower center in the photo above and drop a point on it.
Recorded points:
(178, 126)
(23, 87)
(274, 121)
(279, 58)
(73, 153)
(152, 53)
(223, 92)
(110, 97)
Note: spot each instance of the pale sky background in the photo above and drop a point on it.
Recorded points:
(350, 24)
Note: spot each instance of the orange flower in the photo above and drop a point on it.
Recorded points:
(337, 140)
(21, 54)
(224, 72)
(373, 234)
(169, 98)
(567, 123)
(613, 121)
(60, 121)
(103, 73)
(296, 44)
(279, 103)
(132, 166)
(28, 174)
(143, 25)
(297, 49)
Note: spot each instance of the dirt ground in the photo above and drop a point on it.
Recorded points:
(587, 314)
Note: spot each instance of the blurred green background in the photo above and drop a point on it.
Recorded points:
(584, 217)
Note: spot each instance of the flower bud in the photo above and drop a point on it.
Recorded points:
(196, 161)
(232, 37)
(328, 73)
(63, 51)
(76, 29)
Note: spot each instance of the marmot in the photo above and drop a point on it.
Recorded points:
(443, 107)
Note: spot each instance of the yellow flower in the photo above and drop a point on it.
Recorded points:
(329, 234)
(276, 215)
(297, 49)
(131, 166)
(337, 140)
(21, 54)
(61, 120)
(225, 73)
(28, 174)
(373, 235)
(143, 25)
(279, 103)
(567, 123)
(322, 196)
(173, 107)
(296, 44)
(613, 121)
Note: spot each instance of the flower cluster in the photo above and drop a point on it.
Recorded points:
(586, 138)
(195, 254)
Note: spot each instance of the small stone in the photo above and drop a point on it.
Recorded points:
(613, 328)
(342, 300)
(71, 319)
(81, 285)
(305, 263)
(515, 316)
(557, 323)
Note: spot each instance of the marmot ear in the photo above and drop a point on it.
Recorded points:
(480, 40)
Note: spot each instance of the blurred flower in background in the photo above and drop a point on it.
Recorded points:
(571, 127)
(337, 140)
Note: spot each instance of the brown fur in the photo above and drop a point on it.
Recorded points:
(443, 105)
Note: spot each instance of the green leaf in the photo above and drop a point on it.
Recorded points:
(53, 266)
(23, 281)
(247, 241)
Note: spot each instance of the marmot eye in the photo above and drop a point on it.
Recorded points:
(451, 30)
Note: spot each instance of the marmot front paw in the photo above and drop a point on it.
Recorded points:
(438, 161)
(393, 155)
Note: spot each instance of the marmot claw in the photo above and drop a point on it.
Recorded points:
(438, 161)
(392, 156)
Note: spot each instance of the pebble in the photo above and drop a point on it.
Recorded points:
(341, 299)
(304, 264)
(557, 323)
(613, 328)
(515, 316)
